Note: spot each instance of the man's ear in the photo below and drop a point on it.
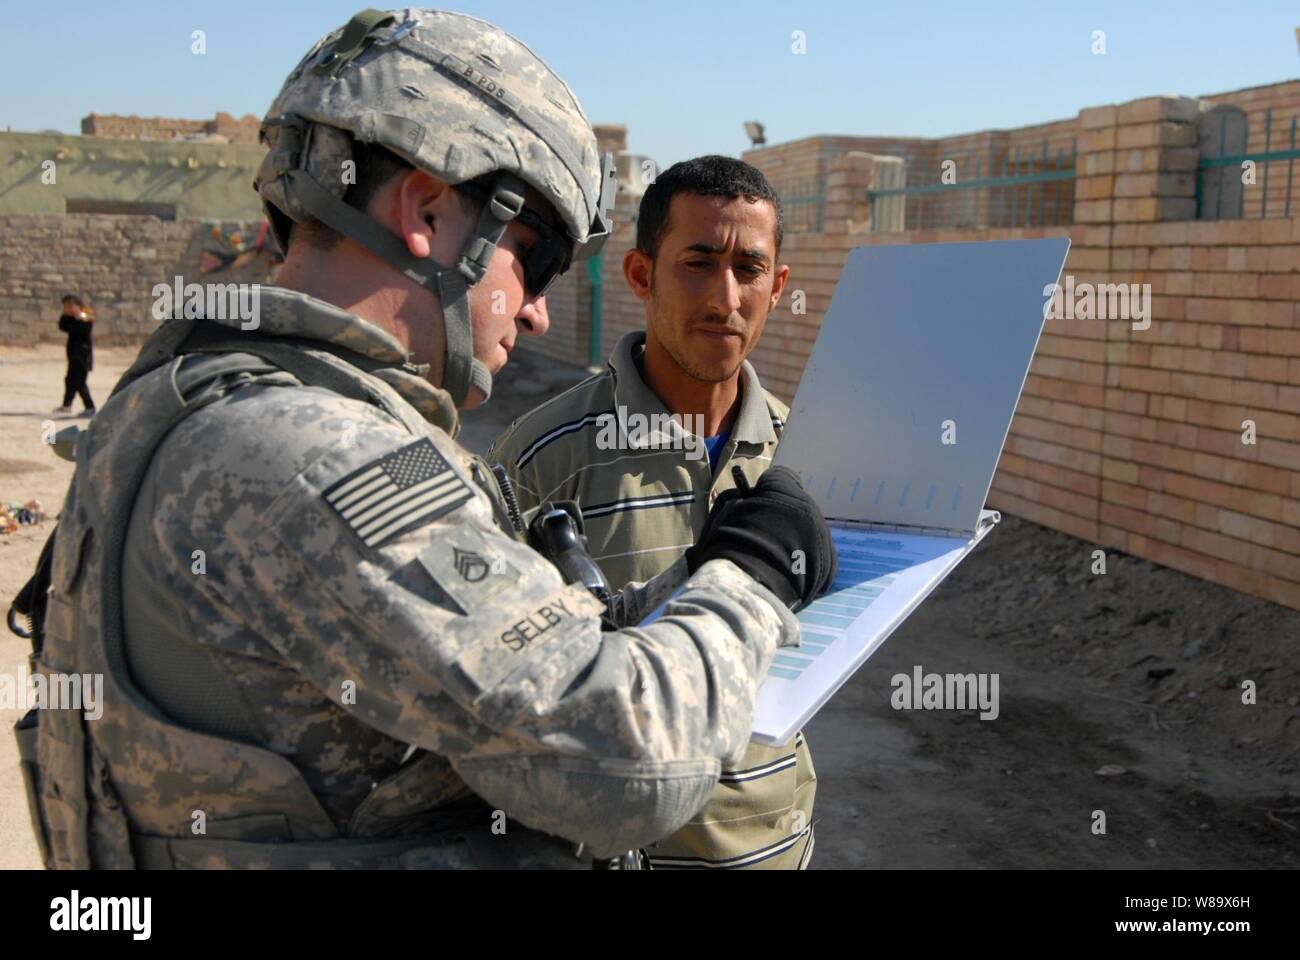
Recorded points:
(638, 271)
(778, 284)
(419, 207)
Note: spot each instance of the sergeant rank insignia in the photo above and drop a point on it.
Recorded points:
(469, 569)
(399, 492)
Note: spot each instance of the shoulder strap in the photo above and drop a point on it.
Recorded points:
(163, 345)
(30, 600)
(292, 355)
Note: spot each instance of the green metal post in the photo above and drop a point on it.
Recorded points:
(596, 274)
(1268, 164)
(1287, 211)
(1223, 148)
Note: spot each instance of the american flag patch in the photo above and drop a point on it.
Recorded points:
(405, 489)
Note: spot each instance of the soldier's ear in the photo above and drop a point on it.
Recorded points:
(420, 206)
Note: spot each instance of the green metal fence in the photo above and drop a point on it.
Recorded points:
(803, 205)
(1019, 187)
(1233, 183)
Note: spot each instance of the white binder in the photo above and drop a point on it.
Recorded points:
(896, 430)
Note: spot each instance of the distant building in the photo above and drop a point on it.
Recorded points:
(223, 128)
(173, 179)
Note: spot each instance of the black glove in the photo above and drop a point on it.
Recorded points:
(760, 528)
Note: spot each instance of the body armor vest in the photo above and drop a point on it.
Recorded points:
(99, 795)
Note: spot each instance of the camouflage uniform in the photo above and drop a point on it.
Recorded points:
(320, 645)
(275, 682)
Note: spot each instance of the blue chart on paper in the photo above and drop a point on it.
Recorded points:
(867, 565)
(883, 575)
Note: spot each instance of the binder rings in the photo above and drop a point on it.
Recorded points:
(896, 430)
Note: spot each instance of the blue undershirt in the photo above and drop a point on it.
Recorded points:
(714, 445)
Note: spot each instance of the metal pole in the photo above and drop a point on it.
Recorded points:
(1060, 190)
(1223, 144)
(596, 274)
(1290, 169)
(1015, 187)
(1268, 138)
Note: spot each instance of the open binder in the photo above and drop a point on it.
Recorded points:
(896, 430)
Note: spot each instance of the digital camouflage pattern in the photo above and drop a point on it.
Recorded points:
(452, 94)
(315, 664)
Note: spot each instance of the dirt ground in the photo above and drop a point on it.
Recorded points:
(1118, 692)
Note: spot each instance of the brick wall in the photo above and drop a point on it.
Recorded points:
(1179, 486)
(799, 163)
(112, 261)
(1133, 439)
(807, 160)
(620, 311)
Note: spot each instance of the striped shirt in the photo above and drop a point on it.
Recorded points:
(645, 489)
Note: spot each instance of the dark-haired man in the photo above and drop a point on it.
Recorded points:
(705, 266)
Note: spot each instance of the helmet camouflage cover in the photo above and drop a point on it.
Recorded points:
(454, 96)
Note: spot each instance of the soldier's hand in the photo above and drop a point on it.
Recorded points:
(774, 532)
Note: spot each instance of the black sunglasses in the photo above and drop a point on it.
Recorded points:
(546, 259)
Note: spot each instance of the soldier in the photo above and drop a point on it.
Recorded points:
(706, 268)
(322, 643)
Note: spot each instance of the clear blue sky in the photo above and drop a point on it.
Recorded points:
(682, 74)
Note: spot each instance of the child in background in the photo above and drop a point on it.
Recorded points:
(75, 322)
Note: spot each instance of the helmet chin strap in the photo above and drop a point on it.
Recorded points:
(450, 285)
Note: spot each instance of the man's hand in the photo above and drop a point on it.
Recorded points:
(774, 532)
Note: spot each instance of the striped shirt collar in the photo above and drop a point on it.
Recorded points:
(753, 424)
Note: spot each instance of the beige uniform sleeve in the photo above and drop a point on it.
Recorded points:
(442, 631)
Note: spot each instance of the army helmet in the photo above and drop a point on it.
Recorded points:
(462, 100)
